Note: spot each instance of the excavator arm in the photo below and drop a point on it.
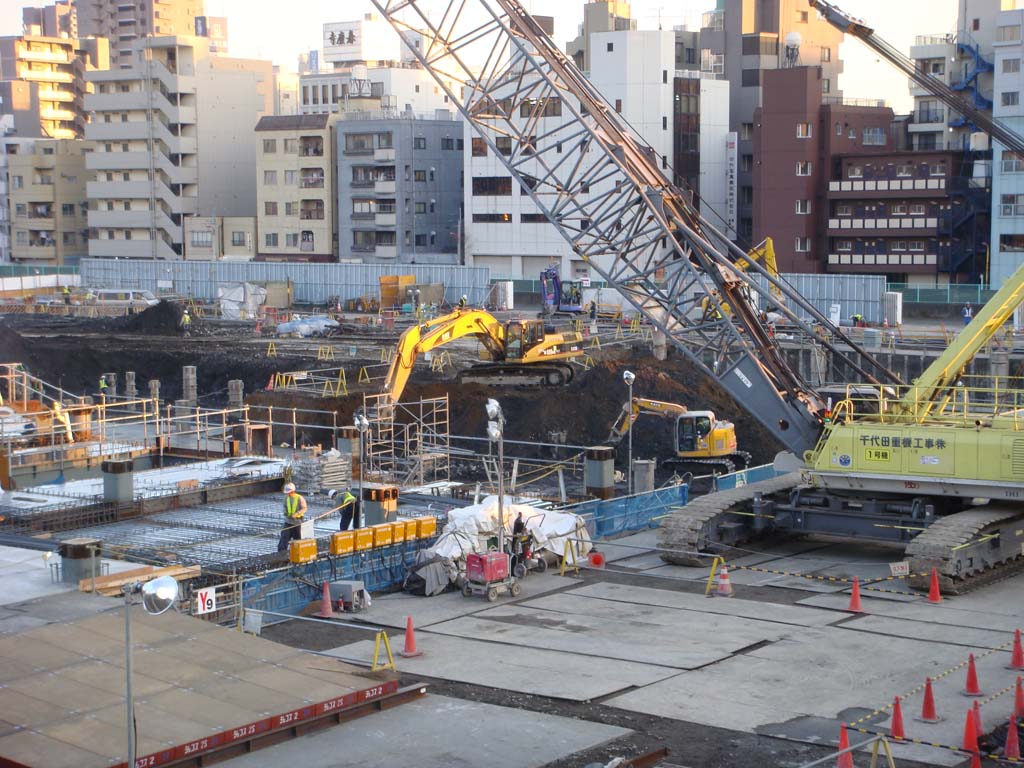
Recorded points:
(631, 411)
(420, 339)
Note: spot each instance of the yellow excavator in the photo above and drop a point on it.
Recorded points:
(764, 253)
(520, 352)
(701, 439)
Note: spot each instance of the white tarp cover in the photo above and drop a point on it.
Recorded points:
(307, 326)
(241, 301)
(469, 528)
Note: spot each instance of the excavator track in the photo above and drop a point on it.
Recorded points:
(706, 521)
(504, 374)
(968, 549)
(721, 465)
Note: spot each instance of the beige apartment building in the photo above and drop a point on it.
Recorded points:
(209, 238)
(43, 85)
(125, 21)
(173, 138)
(46, 200)
(295, 188)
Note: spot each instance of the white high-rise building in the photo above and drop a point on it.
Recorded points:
(1006, 245)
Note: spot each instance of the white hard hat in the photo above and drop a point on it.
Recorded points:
(289, 487)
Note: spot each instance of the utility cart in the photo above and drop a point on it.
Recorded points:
(488, 574)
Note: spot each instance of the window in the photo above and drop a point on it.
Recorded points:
(421, 239)
(67, 209)
(419, 143)
(975, 25)
(899, 245)
(803, 167)
(17, 182)
(362, 207)
(618, 105)
(803, 130)
(419, 175)
(611, 47)
(269, 209)
(1011, 205)
(937, 169)
(803, 207)
(746, 131)
(492, 218)
(533, 218)
(202, 239)
(447, 143)
(20, 209)
(359, 143)
(363, 241)
(1011, 243)
(504, 145)
(802, 244)
(385, 140)
(269, 146)
(1011, 66)
(916, 245)
(421, 208)
(844, 245)
(291, 240)
(801, 17)
(664, 123)
(1010, 98)
(1013, 163)
(478, 147)
(291, 209)
(552, 107)
(873, 137)
(844, 209)
(898, 209)
(291, 147)
(270, 177)
(746, 162)
(21, 237)
(492, 186)
(826, 85)
(905, 171)
(69, 238)
(1008, 34)
(826, 55)
(270, 239)
(750, 78)
(839, 129)
(712, 62)
(917, 209)
(238, 239)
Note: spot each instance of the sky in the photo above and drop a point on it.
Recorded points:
(258, 29)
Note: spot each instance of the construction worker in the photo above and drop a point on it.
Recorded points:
(858, 320)
(66, 293)
(103, 386)
(186, 321)
(967, 313)
(463, 302)
(294, 512)
(350, 508)
(60, 416)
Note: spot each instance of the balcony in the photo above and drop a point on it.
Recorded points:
(384, 187)
(873, 188)
(57, 114)
(906, 225)
(929, 116)
(358, 150)
(311, 147)
(56, 57)
(132, 249)
(361, 183)
(385, 219)
(34, 252)
(386, 252)
(45, 76)
(314, 182)
(363, 248)
(311, 215)
(53, 94)
(384, 155)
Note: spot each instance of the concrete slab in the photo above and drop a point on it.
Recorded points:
(441, 733)
(26, 575)
(970, 637)
(628, 546)
(642, 561)
(773, 612)
(957, 612)
(26, 747)
(527, 669)
(392, 610)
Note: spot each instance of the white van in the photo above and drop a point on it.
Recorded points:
(121, 297)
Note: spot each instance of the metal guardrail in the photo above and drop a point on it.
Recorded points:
(943, 294)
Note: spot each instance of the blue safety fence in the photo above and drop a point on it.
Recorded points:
(610, 517)
(745, 477)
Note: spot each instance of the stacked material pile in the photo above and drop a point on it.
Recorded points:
(326, 471)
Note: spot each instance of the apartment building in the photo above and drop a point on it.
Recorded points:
(1007, 233)
(43, 83)
(635, 72)
(399, 186)
(295, 188)
(46, 203)
(173, 138)
(797, 136)
(917, 217)
(212, 238)
(602, 16)
(742, 40)
(57, 20)
(123, 22)
(402, 87)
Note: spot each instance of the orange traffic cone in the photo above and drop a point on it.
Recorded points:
(972, 688)
(970, 734)
(1018, 699)
(270, 384)
(410, 641)
(896, 728)
(976, 760)
(326, 611)
(1012, 749)
(724, 585)
(844, 760)
(855, 606)
(977, 720)
(934, 593)
(928, 713)
(1017, 657)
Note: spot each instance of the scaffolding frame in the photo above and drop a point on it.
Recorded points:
(406, 443)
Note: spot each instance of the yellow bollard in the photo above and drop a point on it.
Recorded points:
(711, 576)
(271, 350)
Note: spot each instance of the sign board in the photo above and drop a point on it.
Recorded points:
(900, 569)
(206, 601)
(834, 314)
(585, 282)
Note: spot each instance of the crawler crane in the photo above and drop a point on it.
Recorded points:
(933, 466)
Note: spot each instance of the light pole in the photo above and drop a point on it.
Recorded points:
(496, 432)
(363, 426)
(629, 377)
(157, 596)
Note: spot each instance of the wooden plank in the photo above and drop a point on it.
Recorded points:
(112, 584)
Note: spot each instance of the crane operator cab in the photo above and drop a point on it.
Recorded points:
(699, 432)
(523, 335)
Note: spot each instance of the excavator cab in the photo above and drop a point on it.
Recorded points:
(521, 336)
(692, 430)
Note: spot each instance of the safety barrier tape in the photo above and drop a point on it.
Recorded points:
(938, 745)
(865, 585)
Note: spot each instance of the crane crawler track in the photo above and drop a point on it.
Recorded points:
(697, 526)
(968, 549)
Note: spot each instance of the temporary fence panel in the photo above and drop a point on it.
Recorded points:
(855, 294)
(311, 283)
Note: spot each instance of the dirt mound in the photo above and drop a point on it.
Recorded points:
(13, 348)
(163, 319)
